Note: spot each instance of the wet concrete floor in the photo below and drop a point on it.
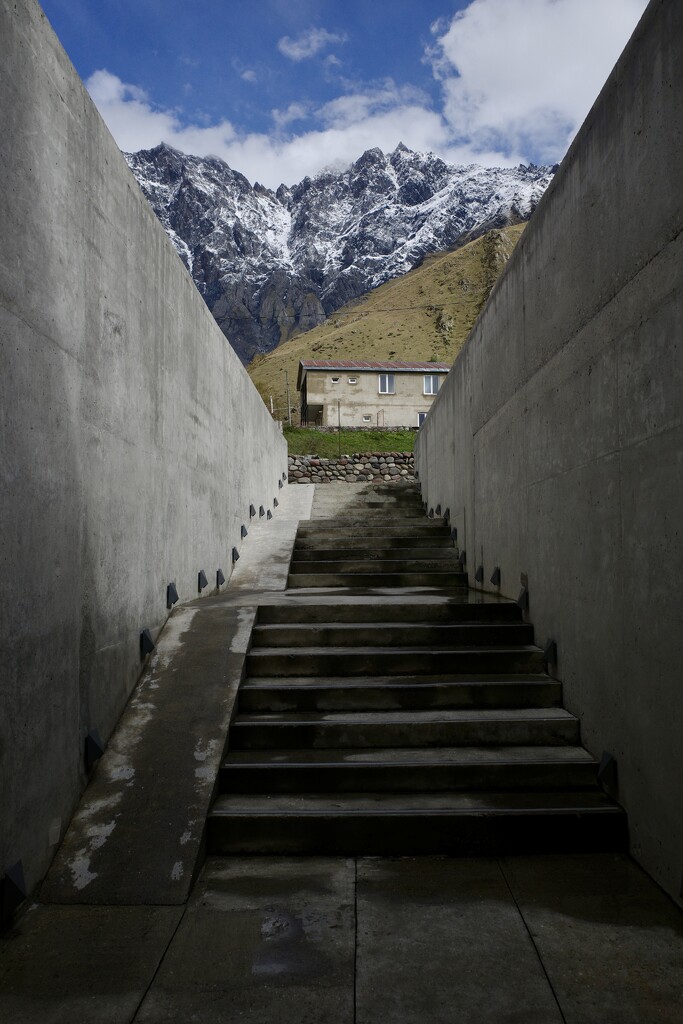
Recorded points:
(529, 940)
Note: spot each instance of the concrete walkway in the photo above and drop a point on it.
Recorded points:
(120, 934)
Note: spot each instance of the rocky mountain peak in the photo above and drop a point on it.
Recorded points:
(270, 264)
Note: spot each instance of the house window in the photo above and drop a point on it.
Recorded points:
(367, 419)
(353, 380)
(431, 384)
(421, 417)
(335, 380)
(386, 384)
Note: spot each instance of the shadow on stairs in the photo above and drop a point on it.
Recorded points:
(389, 710)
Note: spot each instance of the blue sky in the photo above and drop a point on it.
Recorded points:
(282, 88)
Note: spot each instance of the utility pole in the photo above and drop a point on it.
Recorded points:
(339, 425)
(289, 408)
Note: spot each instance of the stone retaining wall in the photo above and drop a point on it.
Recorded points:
(385, 467)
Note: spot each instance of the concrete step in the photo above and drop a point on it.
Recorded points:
(461, 608)
(369, 661)
(365, 580)
(408, 770)
(378, 523)
(404, 539)
(545, 726)
(396, 693)
(408, 563)
(365, 551)
(392, 634)
(381, 824)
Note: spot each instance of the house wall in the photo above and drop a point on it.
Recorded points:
(363, 398)
(557, 440)
(132, 440)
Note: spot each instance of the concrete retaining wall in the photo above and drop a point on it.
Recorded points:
(132, 444)
(557, 440)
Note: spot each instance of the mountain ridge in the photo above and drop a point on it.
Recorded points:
(270, 264)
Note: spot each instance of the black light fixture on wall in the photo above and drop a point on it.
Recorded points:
(171, 595)
(147, 645)
(220, 578)
(201, 580)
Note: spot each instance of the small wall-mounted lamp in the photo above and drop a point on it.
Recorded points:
(220, 578)
(235, 555)
(550, 652)
(607, 772)
(147, 645)
(523, 599)
(252, 511)
(94, 748)
(275, 502)
(495, 576)
(479, 574)
(12, 891)
(269, 514)
(462, 558)
(201, 580)
(243, 531)
(279, 483)
(437, 510)
(171, 595)
(261, 511)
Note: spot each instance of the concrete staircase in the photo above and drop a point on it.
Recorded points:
(416, 718)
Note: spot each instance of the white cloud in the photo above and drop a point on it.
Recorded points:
(517, 78)
(521, 75)
(136, 124)
(307, 44)
(249, 75)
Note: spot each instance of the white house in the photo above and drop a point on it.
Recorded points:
(366, 393)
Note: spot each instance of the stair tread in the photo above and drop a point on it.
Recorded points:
(416, 804)
(392, 756)
(403, 717)
(401, 682)
(411, 649)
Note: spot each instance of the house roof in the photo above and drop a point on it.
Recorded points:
(366, 365)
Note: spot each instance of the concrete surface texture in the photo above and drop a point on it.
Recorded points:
(132, 445)
(557, 440)
(573, 940)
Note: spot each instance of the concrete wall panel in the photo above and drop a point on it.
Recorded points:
(558, 434)
(132, 441)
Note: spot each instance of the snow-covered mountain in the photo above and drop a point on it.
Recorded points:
(272, 263)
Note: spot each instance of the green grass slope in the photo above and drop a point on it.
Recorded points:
(425, 314)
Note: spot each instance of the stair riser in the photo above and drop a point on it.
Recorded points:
(382, 525)
(440, 580)
(328, 541)
(364, 552)
(413, 778)
(414, 613)
(360, 564)
(279, 736)
(389, 835)
(261, 662)
(422, 697)
(357, 635)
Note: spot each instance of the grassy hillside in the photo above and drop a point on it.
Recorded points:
(426, 314)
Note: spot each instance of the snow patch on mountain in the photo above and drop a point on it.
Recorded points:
(273, 263)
